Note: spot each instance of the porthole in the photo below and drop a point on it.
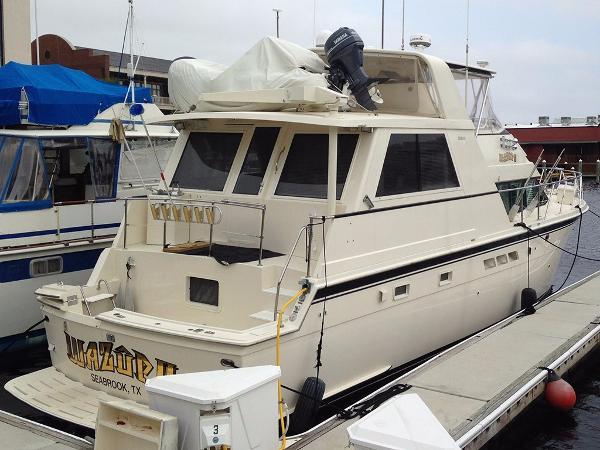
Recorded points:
(401, 292)
(41, 267)
(445, 278)
(502, 259)
(489, 263)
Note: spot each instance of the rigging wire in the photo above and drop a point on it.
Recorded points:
(587, 258)
(323, 312)
(124, 39)
(576, 249)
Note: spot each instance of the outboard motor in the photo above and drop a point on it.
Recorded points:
(344, 52)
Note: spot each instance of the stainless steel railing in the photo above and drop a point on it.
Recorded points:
(199, 212)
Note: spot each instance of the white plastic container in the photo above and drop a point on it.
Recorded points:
(235, 407)
(402, 423)
(129, 425)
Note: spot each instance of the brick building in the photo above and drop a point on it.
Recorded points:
(580, 139)
(106, 65)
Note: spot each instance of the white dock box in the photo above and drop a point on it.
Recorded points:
(402, 423)
(236, 408)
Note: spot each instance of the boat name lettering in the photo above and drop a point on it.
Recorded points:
(105, 357)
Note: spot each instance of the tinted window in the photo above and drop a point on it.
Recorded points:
(305, 171)
(206, 161)
(256, 161)
(416, 163)
(204, 291)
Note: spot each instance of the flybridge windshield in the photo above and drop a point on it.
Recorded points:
(406, 85)
(479, 106)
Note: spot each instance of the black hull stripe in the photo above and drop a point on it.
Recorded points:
(359, 284)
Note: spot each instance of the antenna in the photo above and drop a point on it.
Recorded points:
(315, 22)
(467, 57)
(131, 69)
(402, 46)
(382, 21)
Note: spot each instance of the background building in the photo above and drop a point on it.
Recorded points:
(106, 65)
(15, 31)
(579, 137)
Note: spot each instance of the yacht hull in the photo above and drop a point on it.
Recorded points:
(364, 335)
(18, 310)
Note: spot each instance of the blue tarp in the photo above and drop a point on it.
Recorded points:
(58, 95)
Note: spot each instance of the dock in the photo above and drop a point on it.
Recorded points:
(480, 385)
(18, 432)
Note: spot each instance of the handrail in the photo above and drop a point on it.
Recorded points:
(285, 267)
(212, 221)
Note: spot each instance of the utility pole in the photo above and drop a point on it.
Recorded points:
(382, 20)
(277, 11)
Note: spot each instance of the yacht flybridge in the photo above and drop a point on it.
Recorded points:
(345, 216)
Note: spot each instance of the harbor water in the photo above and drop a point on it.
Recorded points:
(539, 427)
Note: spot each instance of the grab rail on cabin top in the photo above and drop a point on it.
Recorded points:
(172, 211)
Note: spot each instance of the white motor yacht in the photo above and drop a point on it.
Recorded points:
(340, 230)
(59, 203)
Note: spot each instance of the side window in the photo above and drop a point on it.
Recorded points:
(28, 183)
(256, 161)
(8, 152)
(206, 161)
(103, 155)
(204, 291)
(78, 168)
(416, 162)
(305, 171)
(45, 266)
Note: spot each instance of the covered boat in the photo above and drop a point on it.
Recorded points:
(320, 228)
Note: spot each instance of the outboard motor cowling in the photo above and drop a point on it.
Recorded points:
(344, 53)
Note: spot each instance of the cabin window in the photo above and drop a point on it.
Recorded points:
(445, 278)
(102, 153)
(206, 161)
(204, 291)
(45, 266)
(305, 171)
(401, 292)
(8, 152)
(509, 192)
(28, 182)
(256, 161)
(142, 156)
(81, 169)
(416, 162)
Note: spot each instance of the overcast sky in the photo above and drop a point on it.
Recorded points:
(546, 52)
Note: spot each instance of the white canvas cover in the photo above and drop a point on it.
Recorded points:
(271, 64)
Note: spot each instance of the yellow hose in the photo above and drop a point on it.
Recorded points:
(278, 361)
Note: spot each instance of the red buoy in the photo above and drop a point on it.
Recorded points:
(559, 393)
